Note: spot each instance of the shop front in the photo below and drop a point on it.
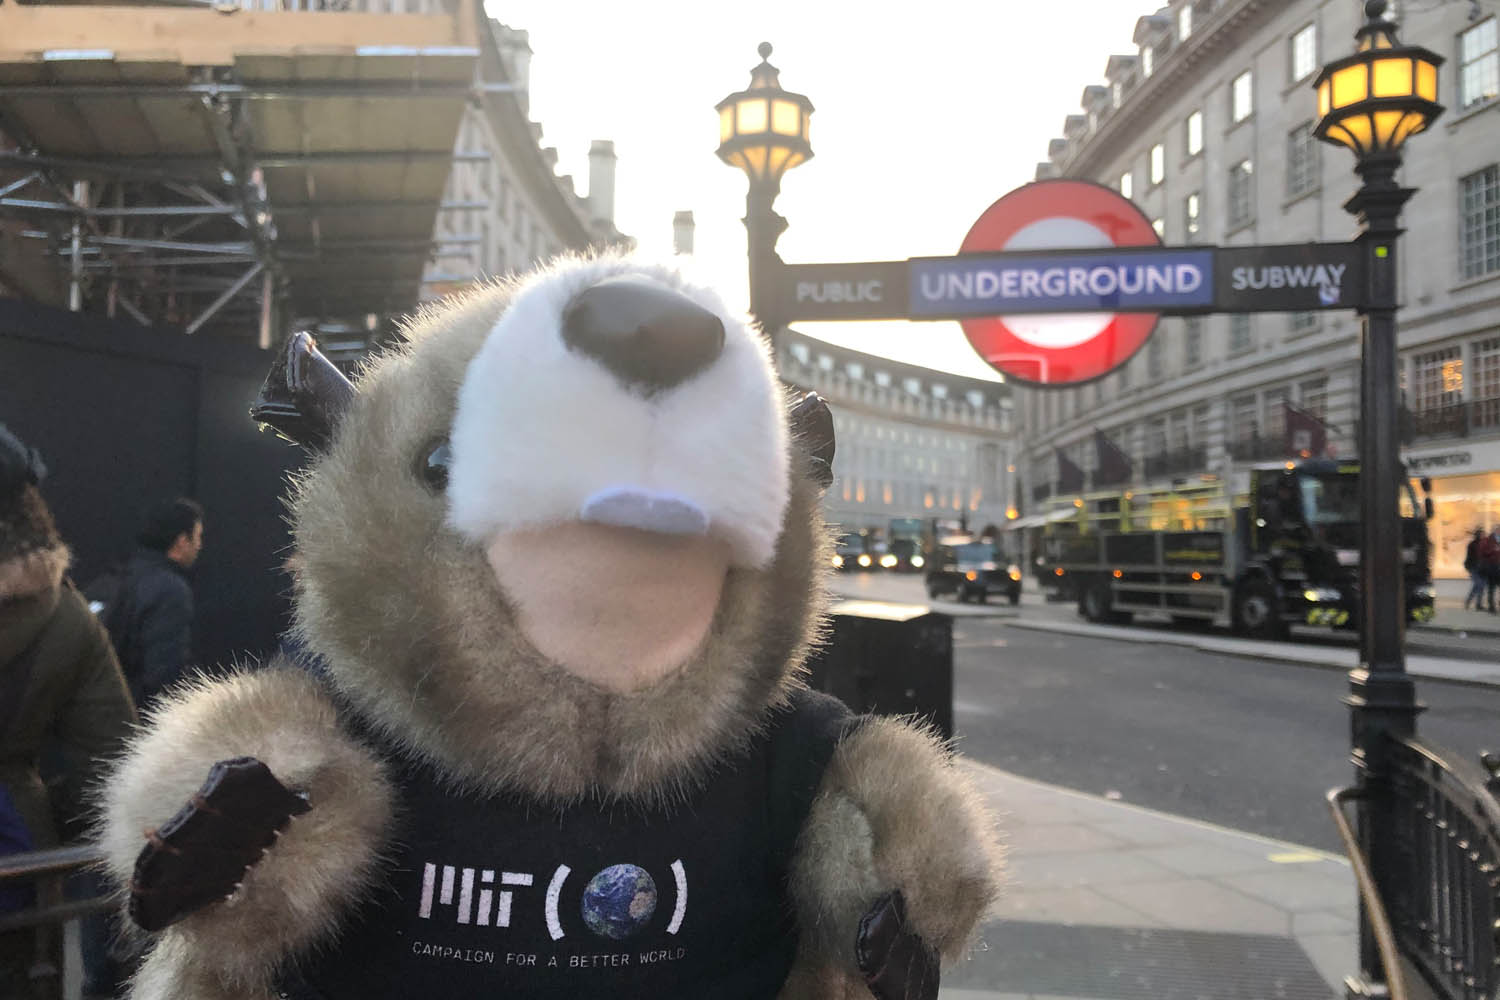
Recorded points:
(1465, 495)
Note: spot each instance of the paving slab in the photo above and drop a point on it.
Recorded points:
(1112, 901)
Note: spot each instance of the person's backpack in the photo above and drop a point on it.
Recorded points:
(109, 597)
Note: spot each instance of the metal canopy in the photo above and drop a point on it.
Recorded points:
(237, 184)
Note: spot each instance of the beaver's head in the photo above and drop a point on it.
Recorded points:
(562, 541)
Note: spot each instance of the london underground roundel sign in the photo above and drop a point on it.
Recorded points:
(1069, 348)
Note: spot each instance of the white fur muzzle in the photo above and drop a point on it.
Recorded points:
(545, 434)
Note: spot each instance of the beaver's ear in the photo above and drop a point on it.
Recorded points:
(304, 395)
(812, 431)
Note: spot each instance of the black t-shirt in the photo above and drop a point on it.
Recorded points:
(505, 897)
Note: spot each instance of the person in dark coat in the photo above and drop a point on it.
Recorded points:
(1475, 569)
(154, 639)
(61, 690)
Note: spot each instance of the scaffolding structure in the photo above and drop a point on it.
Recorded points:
(273, 168)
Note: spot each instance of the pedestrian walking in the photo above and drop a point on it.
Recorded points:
(1474, 566)
(147, 604)
(1489, 556)
(62, 697)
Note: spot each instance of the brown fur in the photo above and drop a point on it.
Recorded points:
(893, 812)
(36, 572)
(388, 594)
(292, 898)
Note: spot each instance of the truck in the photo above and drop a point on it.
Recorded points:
(1281, 550)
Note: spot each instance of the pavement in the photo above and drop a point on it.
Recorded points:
(1111, 901)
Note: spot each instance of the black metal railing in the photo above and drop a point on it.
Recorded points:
(55, 863)
(1257, 448)
(1454, 420)
(1178, 462)
(1442, 888)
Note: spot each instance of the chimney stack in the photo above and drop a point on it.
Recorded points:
(682, 234)
(602, 182)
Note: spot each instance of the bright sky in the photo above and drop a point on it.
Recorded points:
(926, 113)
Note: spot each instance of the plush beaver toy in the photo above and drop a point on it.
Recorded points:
(562, 559)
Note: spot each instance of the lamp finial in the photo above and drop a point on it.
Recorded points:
(1375, 9)
(765, 48)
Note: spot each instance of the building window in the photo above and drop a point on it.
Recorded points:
(1303, 322)
(1126, 185)
(1439, 378)
(1192, 341)
(1160, 225)
(1125, 376)
(912, 385)
(1479, 229)
(1148, 61)
(1304, 53)
(1156, 436)
(1240, 339)
(1195, 133)
(1241, 194)
(1478, 64)
(1116, 93)
(800, 352)
(939, 391)
(1202, 415)
(1242, 425)
(1179, 429)
(1158, 163)
(1192, 212)
(1485, 388)
(975, 398)
(1315, 398)
(856, 370)
(1155, 355)
(1302, 163)
(1242, 97)
(1275, 414)
(1185, 22)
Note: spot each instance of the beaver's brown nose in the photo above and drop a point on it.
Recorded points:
(650, 336)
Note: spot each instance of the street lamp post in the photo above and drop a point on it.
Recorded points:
(763, 130)
(1371, 102)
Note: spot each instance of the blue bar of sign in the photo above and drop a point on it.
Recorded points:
(1085, 281)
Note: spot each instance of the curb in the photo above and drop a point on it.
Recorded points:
(1297, 656)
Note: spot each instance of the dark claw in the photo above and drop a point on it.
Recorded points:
(304, 395)
(200, 855)
(896, 962)
(812, 426)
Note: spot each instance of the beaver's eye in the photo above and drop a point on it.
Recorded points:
(432, 467)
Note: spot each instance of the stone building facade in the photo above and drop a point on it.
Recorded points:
(1207, 126)
(913, 443)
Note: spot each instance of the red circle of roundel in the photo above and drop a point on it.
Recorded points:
(1105, 210)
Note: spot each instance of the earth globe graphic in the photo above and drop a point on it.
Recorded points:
(619, 901)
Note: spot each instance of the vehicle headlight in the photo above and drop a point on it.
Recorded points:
(838, 562)
(864, 560)
(1347, 557)
(1014, 572)
(918, 562)
(887, 561)
(971, 575)
(1321, 595)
